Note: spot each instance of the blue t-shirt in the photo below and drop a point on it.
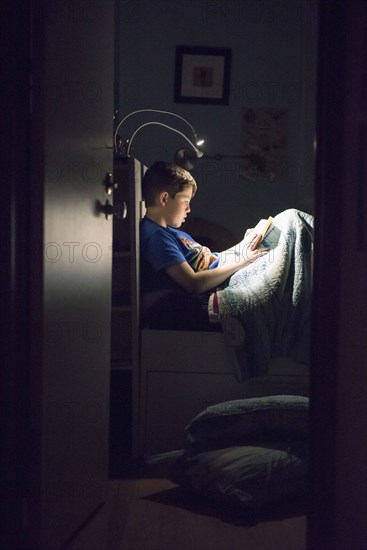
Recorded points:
(166, 246)
(161, 247)
(165, 304)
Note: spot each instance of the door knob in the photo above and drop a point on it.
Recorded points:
(109, 184)
(118, 210)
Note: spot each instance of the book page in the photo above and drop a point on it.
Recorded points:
(238, 251)
(262, 227)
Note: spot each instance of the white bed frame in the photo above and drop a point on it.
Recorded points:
(176, 374)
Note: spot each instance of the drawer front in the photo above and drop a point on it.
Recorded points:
(186, 351)
(173, 399)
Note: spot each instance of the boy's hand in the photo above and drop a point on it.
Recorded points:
(255, 242)
(251, 251)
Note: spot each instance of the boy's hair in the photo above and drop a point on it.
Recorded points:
(163, 176)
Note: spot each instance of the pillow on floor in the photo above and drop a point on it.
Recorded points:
(248, 452)
(249, 421)
(248, 476)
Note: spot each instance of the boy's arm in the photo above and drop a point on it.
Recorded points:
(238, 250)
(206, 280)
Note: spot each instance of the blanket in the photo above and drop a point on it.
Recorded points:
(265, 307)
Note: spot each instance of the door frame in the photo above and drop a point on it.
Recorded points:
(15, 226)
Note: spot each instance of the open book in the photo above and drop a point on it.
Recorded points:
(261, 228)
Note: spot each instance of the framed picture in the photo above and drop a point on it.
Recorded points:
(202, 75)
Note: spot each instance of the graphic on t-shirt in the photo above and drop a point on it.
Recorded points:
(199, 257)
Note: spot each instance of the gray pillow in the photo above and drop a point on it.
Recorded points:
(247, 476)
(248, 421)
(248, 452)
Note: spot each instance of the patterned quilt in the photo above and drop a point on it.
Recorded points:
(264, 308)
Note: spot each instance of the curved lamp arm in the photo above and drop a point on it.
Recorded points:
(154, 111)
(199, 153)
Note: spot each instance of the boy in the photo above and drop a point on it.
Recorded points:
(177, 272)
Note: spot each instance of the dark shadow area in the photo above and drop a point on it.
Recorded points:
(120, 430)
(184, 497)
(242, 516)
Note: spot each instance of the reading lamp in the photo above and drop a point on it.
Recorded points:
(186, 158)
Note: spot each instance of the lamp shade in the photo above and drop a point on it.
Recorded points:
(186, 158)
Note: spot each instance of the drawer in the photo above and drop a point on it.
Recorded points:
(173, 399)
(186, 351)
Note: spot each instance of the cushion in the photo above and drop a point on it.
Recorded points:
(248, 476)
(248, 452)
(249, 421)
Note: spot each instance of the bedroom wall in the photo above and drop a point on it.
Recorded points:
(273, 47)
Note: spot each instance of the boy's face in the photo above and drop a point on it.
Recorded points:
(178, 208)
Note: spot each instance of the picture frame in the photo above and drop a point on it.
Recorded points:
(202, 75)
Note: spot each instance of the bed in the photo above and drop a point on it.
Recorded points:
(177, 373)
